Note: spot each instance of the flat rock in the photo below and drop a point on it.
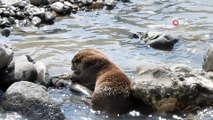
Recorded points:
(166, 90)
(31, 100)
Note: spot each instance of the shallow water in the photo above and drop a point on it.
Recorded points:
(55, 45)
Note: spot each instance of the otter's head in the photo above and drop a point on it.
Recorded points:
(86, 65)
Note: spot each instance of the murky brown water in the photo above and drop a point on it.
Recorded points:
(55, 45)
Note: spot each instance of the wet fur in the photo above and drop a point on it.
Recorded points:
(112, 92)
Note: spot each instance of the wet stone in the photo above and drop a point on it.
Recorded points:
(20, 4)
(87, 2)
(208, 60)
(58, 7)
(6, 13)
(35, 11)
(110, 4)
(36, 21)
(5, 23)
(31, 100)
(19, 15)
(49, 17)
(5, 32)
(39, 2)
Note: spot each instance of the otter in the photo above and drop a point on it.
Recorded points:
(112, 91)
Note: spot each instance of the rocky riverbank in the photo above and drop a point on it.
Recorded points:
(37, 12)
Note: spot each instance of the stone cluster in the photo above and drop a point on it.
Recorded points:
(36, 12)
(19, 93)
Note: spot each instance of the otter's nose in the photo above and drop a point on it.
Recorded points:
(73, 68)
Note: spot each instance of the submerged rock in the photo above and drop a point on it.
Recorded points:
(166, 90)
(31, 100)
(156, 40)
(6, 55)
(208, 60)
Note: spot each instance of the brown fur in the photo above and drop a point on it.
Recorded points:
(111, 86)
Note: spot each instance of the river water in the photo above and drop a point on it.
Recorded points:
(110, 31)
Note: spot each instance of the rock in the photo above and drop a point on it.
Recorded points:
(157, 40)
(181, 68)
(21, 4)
(49, 17)
(24, 58)
(6, 13)
(39, 2)
(31, 100)
(168, 91)
(208, 60)
(6, 55)
(5, 32)
(17, 71)
(19, 15)
(35, 11)
(57, 7)
(110, 4)
(17, 3)
(53, 1)
(36, 21)
(43, 76)
(5, 23)
(87, 2)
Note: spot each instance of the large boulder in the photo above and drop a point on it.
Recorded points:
(208, 60)
(6, 55)
(167, 90)
(31, 100)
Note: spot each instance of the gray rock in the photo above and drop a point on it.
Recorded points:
(110, 4)
(181, 68)
(58, 7)
(21, 4)
(6, 13)
(17, 71)
(49, 17)
(36, 21)
(24, 58)
(208, 60)
(39, 2)
(7, 3)
(5, 22)
(165, 90)
(35, 11)
(43, 76)
(156, 40)
(6, 55)
(5, 32)
(31, 100)
(53, 1)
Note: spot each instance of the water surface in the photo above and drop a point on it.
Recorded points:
(110, 31)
